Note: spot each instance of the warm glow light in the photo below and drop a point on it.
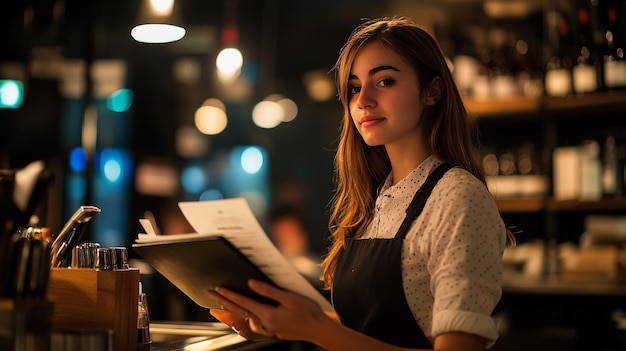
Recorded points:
(508, 8)
(190, 142)
(210, 120)
(154, 33)
(162, 7)
(187, 70)
(156, 179)
(319, 85)
(108, 77)
(273, 110)
(290, 109)
(267, 114)
(89, 132)
(72, 78)
(229, 62)
(215, 103)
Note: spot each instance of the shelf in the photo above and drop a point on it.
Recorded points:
(516, 284)
(523, 204)
(481, 108)
(612, 100)
(612, 204)
(531, 107)
(534, 204)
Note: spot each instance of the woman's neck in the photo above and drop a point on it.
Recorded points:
(405, 160)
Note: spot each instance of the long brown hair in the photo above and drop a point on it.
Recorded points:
(359, 168)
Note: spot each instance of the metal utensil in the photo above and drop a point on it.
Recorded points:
(68, 236)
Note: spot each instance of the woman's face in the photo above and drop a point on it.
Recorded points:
(384, 98)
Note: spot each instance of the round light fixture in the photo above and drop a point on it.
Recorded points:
(157, 33)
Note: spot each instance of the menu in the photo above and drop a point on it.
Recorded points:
(228, 248)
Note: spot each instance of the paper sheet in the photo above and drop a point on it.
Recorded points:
(233, 219)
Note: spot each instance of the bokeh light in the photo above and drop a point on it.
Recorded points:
(229, 62)
(120, 101)
(11, 93)
(78, 159)
(211, 194)
(211, 118)
(193, 179)
(252, 159)
(113, 164)
(267, 114)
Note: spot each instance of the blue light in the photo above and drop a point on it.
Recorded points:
(111, 189)
(112, 170)
(78, 159)
(11, 93)
(211, 194)
(193, 179)
(120, 100)
(252, 160)
(112, 164)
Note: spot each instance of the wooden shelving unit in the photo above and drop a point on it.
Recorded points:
(503, 108)
(522, 204)
(535, 107)
(534, 204)
(551, 117)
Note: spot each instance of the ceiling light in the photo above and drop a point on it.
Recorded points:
(158, 23)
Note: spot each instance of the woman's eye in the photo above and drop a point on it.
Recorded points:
(386, 82)
(354, 90)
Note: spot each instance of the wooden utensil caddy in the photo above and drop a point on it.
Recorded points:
(88, 298)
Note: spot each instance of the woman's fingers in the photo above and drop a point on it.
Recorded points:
(240, 319)
(232, 300)
(238, 325)
(223, 316)
(227, 318)
(256, 325)
(282, 320)
(231, 306)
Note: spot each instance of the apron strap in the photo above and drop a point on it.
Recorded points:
(419, 199)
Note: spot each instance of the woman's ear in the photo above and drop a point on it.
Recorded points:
(433, 93)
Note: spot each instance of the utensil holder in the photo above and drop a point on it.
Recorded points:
(96, 299)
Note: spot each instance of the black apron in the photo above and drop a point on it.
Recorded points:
(368, 293)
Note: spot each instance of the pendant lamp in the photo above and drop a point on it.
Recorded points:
(158, 22)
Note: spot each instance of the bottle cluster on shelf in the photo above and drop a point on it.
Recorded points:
(561, 51)
(515, 172)
(590, 171)
(589, 53)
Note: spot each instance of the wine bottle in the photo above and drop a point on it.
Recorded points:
(585, 74)
(613, 168)
(614, 60)
(558, 78)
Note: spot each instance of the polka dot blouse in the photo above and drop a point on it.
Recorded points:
(452, 255)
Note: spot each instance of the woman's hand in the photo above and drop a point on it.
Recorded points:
(237, 322)
(294, 318)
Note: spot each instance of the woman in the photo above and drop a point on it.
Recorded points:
(427, 278)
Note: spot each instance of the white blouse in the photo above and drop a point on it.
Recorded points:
(452, 255)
